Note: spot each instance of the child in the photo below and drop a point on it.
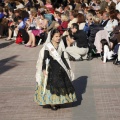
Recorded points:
(107, 53)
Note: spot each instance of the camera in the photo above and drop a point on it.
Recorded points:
(66, 29)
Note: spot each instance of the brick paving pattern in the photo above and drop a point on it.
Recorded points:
(97, 87)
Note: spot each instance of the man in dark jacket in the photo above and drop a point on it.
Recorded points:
(105, 19)
(80, 48)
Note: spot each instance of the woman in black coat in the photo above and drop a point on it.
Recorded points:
(94, 28)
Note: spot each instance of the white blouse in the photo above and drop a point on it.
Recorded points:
(81, 26)
(118, 6)
(110, 25)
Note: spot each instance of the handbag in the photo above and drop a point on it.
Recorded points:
(19, 39)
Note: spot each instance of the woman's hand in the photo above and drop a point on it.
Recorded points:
(44, 72)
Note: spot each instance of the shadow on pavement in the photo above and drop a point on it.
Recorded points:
(3, 45)
(80, 88)
(7, 64)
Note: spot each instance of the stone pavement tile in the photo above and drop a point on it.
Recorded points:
(105, 74)
(85, 109)
(107, 103)
(96, 85)
(19, 105)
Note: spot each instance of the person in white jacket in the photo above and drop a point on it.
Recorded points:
(111, 24)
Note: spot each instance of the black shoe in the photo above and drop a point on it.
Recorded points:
(80, 59)
(117, 63)
(89, 58)
(58, 106)
(54, 107)
(71, 58)
(46, 106)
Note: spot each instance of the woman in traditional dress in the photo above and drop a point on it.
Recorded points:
(54, 77)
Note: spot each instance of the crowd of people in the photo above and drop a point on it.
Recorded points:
(73, 30)
(87, 27)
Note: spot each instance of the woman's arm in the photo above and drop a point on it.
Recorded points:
(46, 55)
(64, 60)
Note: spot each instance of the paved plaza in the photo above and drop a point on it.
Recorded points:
(97, 87)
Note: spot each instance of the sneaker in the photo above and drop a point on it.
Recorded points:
(71, 58)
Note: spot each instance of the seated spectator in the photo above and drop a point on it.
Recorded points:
(105, 18)
(99, 14)
(63, 26)
(3, 27)
(94, 28)
(19, 5)
(96, 5)
(89, 22)
(1, 13)
(118, 5)
(13, 22)
(48, 4)
(111, 4)
(117, 46)
(117, 51)
(72, 4)
(27, 4)
(21, 25)
(41, 26)
(103, 5)
(80, 49)
(77, 5)
(73, 17)
(57, 16)
(81, 21)
(112, 23)
(40, 2)
(51, 22)
(1, 22)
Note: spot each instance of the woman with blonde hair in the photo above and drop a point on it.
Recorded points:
(64, 23)
(89, 22)
(48, 4)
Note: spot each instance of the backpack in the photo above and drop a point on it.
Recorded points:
(19, 39)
